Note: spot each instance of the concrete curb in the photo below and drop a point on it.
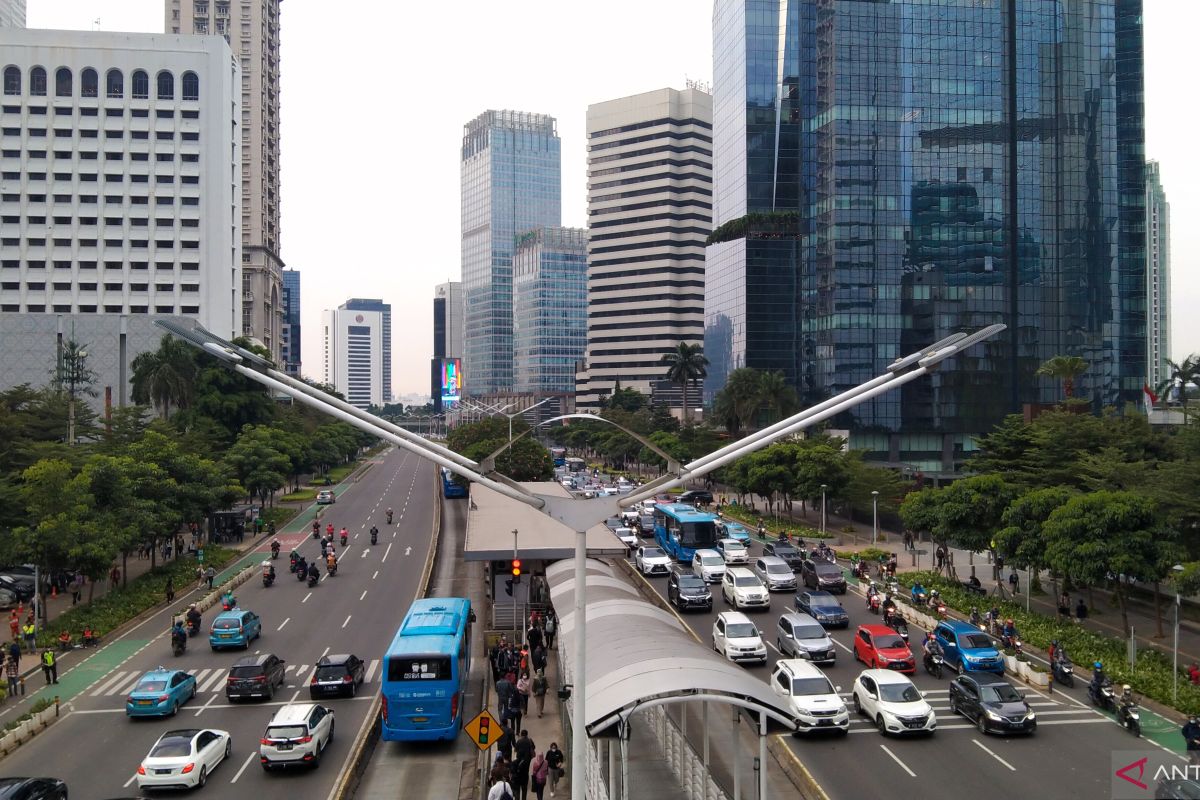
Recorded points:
(28, 729)
(794, 768)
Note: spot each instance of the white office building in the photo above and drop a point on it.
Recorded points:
(353, 354)
(12, 13)
(1158, 276)
(120, 176)
(649, 212)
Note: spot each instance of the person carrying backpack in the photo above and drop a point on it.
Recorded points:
(501, 790)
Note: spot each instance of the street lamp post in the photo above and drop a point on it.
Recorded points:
(1178, 568)
(875, 517)
(823, 488)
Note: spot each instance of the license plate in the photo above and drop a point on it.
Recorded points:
(145, 702)
(420, 719)
(163, 771)
(824, 722)
(283, 747)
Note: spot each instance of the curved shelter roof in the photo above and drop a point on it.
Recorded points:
(637, 652)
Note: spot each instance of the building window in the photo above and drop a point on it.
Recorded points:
(12, 80)
(37, 82)
(62, 82)
(141, 85)
(115, 83)
(191, 86)
(166, 86)
(89, 83)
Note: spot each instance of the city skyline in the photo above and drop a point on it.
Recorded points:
(372, 208)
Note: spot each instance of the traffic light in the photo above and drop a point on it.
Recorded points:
(516, 570)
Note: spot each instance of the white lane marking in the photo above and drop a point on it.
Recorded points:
(126, 688)
(305, 600)
(374, 665)
(201, 675)
(393, 534)
(385, 554)
(211, 700)
(839, 644)
(131, 780)
(364, 594)
(364, 553)
(285, 622)
(376, 575)
(408, 551)
(294, 696)
(211, 682)
(245, 764)
(991, 753)
(347, 622)
(903, 766)
(116, 678)
(324, 654)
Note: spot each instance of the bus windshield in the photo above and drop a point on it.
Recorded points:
(698, 534)
(419, 668)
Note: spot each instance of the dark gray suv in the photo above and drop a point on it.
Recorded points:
(255, 676)
(686, 590)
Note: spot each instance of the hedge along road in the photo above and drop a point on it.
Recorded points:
(352, 612)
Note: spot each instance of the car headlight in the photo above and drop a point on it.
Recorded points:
(992, 715)
(1030, 716)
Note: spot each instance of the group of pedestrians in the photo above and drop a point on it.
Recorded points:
(519, 767)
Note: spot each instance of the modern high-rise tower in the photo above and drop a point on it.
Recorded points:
(12, 13)
(291, 322)
(550, 301)
(890, 173)
(252, 30)
(447, 341)
(354, 354)
(649, 211)
(1158, 276)
(385, 315)
(511, 183)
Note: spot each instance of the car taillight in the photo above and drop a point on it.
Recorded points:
(129, 699)
(260, 678)
(347, 679)
(383, 706)
(313, 679)
(141, 769)
(162, 698)
(454, 706)
(303, 740)
(188, 768)
(265, 741)
(230, 679)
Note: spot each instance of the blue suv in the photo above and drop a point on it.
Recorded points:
(234, 628)
(968, 649)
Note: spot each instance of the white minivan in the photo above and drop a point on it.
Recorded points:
(708, 566)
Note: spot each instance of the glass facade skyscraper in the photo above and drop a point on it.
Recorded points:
(511, 183)
(550, 298)
(890, 173)
(1158, 276)
(291, 322)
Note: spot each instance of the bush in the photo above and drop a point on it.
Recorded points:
(871, 554)
(849, 529)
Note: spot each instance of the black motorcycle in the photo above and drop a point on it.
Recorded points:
(274, 550)
(178, 644)
(389, 517)
(933, 665)
(1103, 696)
(1062, 671)
(268, 579)
(193, 627)
(301, 574)
(374, 537)
(313, 578)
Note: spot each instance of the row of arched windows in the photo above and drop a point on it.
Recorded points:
(114, 83)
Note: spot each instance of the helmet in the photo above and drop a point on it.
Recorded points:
(1008, 621)
(974, 610)
(1054, 642)
(935, 593)
(1097, 665)
(1127, 688)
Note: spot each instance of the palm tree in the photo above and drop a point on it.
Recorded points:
(164, 377)
(774, 393)
(685, 363)
(736, 405)
(1065, 369)
(1181, 374)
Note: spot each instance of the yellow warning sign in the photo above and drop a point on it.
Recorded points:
(484, 730)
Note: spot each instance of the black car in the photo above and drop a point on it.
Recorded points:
(21, 589)
(686, 591)
(255, 676)
(992, 704)
(824, 608)
(338, 675)
(696, 497)
(1177, 789)
(823, 575)
(787, 552)
(32, 789)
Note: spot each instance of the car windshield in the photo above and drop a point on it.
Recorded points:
(976, 640)
(331, 672)
(652, 552)
(748, 581)
(888, 642)
(711, 561)
(155, 685)
(690, 582)
(171, 748)
(809, 632)
(779, 568)
(805, 686)
(899, 693)
(248, 671)
(698, 534)
(741, 630)
(821, 600)
(285, 732)
(828, 570)
(733, 544)
(999, 693)
(227, 624)
(785, 550)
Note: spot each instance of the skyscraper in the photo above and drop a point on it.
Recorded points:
(1158, 276)
(891, 173)
(645, 256)
(385, 312)
(511, 183)
(12, 13)
(549, 309)
(291, 322)
(252, 30)
(354, 354)
(447, 337)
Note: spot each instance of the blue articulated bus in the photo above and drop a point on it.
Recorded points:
(450, 487)
(681, 530)
(425, 671)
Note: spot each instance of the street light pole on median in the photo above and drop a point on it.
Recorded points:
(875, 517)
(823, 488)
(1178, 568)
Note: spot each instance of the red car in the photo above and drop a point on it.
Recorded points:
(881, 647)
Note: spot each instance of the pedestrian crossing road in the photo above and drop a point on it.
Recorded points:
(121, 683)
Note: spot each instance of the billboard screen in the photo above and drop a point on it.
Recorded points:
(451, 380)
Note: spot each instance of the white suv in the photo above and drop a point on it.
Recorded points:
(892, 702)
(741, 588)
(708, 565)
(297, 735)
(736, 637)
(813, 699)
(733, 551)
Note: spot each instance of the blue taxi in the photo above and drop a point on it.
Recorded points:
(736, 530)
(234, 628)
(160, 693)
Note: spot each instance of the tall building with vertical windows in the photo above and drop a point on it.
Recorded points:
(12, 13)
(353, 354)
(385, 316)
(291, 322)
(649, 211)
(890, 173)
(447, 338)
(549, 309)
(252, 30)
(511, 183)
(1158, 276)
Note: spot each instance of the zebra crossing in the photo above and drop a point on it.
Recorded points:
(213, 680)
(1049, 712)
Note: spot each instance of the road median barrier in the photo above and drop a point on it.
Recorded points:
(28, 726)
(794, 768)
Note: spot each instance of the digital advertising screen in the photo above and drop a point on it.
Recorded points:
(451, 380)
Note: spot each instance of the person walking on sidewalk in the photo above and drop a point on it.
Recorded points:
(49, 666)
(76, 588)
(1081, 612)
(169, 590)
(1191, 735)
(540, 684)
(539, 772)
(550, 629)
(12, 671)
(1013, 582)
(209, 574)
(554, 761)
(14, 624)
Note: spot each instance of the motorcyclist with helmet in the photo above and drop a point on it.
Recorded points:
(975, 619)
(274, 548)
(918, 594)
(374, 534)
(1009, 636)
(193, 619)
(1097, 684)
(345, 535)
(302, 568)
(178, 636)
(329, 531)
(1125, 703)
(331, 563)
(314, 575)
(389, 516)
(932, 647)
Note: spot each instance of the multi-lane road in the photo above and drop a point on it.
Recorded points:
(1070, 756)
(96, 749)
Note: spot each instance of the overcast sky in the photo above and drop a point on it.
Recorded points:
(375, 95)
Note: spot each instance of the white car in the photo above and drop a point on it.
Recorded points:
(741, 588)
(628, 536)
(652, 560)
(736, 637)
(297, 735)
(648, 505)
(708, 566)
(893, 702)
(814, 701)
(183, 759)
(733, 551)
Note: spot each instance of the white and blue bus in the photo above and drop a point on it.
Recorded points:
(425, 671)
(681, 530)
(450, 486)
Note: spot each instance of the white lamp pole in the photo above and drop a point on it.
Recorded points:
(823, 488)
(1178, 568)
(875, 517)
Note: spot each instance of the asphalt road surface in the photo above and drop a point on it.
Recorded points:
(1070, 755)
(96, 749)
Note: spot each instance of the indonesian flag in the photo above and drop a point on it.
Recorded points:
(1151, 397)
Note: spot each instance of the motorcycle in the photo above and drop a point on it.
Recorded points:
(1063, 672)
(374, 537)
(316, 529)
(228, 602)
(1102, 697)
(900, 626)
(1130, 718)
(933, 665)
(331, 569)
(193, 627)
(178, 645)
(313, 578)
(1012, 643)
(268, 579)
(939, 608)
(919, 597)
(301, 574)
(873, 603)
(389, 517)
(344, 537)
(274, 549)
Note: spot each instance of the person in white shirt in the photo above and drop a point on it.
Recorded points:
(500, 791)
